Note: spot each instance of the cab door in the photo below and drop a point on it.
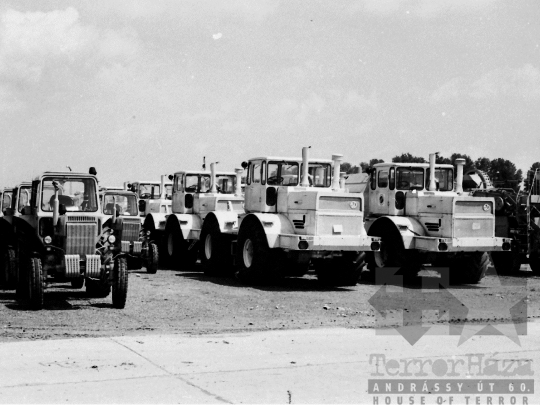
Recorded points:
(255, 192)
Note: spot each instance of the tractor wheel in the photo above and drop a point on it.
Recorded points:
(77, 283)
(468, 268)
(342, 271)
(255, 259)
(152, 259)
(36, 284)
(120, 283)
(178, 250)
(97, 288)
(505, 262)
(9, 276)
(216, 258)
(534, 262)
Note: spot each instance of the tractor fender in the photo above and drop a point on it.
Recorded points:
(155, 221)
(227, 220)
(186, 222)
(27, 237)
(273, 226)
(407, 227)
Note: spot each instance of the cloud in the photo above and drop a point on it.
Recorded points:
(33, 42)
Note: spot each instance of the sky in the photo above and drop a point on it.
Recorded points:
(142, 88)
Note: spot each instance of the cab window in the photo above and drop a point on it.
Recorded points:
(444, 179)
(255, 172)
(392, 178)
(383, 179)
(283, 173)
(410, 178)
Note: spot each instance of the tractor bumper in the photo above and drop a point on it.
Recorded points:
(461, 244)
(329, 243)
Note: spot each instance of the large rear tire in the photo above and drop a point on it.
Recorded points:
(120, 283)
(36, 284)
(534, 262)
(468, 268)
(152, 259)
(216, 258)
(342, 271)
(254, 257)
(9, 274)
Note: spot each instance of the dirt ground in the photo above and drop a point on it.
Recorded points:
(189, 302)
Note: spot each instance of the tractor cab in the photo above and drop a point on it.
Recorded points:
(200, 192)
(154, 196)
(272, 181)
(390, 183)
(7, 196)
(19, 200)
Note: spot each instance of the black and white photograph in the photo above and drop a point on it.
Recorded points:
(270, 202)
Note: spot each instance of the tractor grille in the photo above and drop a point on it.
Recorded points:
(81, 238)
(130, 231)
(299, 223)
(433, 226)
(80, 218)
(474, 227)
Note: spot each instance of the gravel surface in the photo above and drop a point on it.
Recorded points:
(189, 302)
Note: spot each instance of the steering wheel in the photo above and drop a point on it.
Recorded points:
(275, 180)
(404, 184)
(145, 195)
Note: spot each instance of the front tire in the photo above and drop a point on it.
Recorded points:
(468, 268)
(36, 284)
(77, 283)
(505, 262)
(9, 276)
(179, 254)
(152, 259)
(216, 258)
(254, 257)
(120, 283)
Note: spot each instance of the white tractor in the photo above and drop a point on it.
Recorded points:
(198, 196)
(296, 214)
(423, 218)
(154, 196)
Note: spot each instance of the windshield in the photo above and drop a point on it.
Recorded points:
(320, 174)
(283, 174)
(125, 204)
(24, 197)
(75, 194)
(168, 191)
(444, 179)
(410, 178)
(225, 183)
(149, 190)
(197, 183)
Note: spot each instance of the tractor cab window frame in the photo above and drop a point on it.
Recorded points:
(382, 179)
(24, 202)
(319, 174)
(178, 182)
(444, 174)
(373, 179)
(392, 178)
(254, 172)
(283, 173)
(80, 194)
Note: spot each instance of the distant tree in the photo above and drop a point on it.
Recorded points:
(365, 165)
(408, 158)
(504, 173)
(535, 166)
(483, 164)
(443, 160)
(345, 167)
(375, 161)
(353, 169)
(469, 164)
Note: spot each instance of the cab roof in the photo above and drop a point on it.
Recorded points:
(156, 183)
(424, 165)
(291, 159)
(117, 192)
(218, 173)
(65, 174)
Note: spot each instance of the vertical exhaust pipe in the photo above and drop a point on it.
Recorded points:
(213, 188)
(432, 183)
(305, 167)
(337, 158)
(162, 186)
(114, 209)
(342, 178)
(238, 186)
(459, 175)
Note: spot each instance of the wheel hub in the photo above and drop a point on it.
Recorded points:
(247, 253)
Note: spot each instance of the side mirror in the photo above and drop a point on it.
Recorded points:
(244, 165)
(170, 176)
(62, 209)
(271, 196)
(142, 205)
(188, 201)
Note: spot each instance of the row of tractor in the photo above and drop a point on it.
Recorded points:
(273, 217)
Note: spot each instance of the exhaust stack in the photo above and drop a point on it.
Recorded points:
(55, 203)
(162, 185)
(114, 209)
(213, 188)
(459, 175)
(238, 187)
(432, 183)
(337, 158)
(305, 167)
(342, 178)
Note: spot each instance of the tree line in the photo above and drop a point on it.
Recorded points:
(501, 171)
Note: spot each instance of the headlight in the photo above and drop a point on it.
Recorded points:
(487, 207)
(47, 239)
(148, 233)
(111, 238)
